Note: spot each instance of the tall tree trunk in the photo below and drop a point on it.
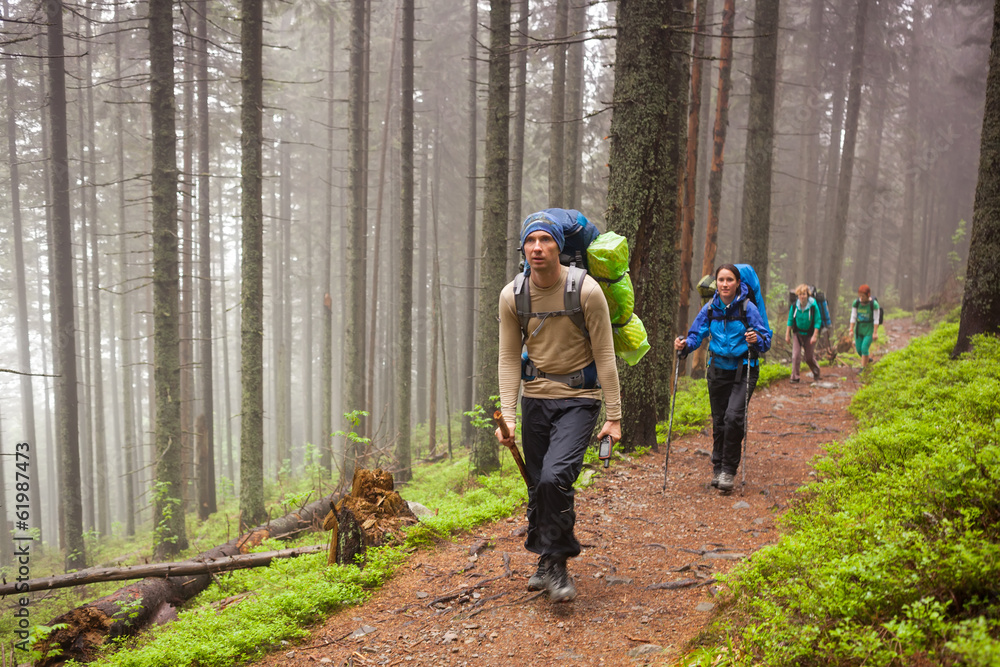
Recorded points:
(756, 226)
(281, 308)
(649, 103)
(252, 300)
(23, 346)
(326, 427)
(231, 471)
(169, 536)
(404, 337)
(809, 117)
(905, 277)
(60, 240)
(206, 467)
(981, 301)
(517, 138)
(557, 108)
(439, 323)
(691, 167)
(6, 536)
(125, 302)
(574, 106)
(421, 285)
(187, 292)
(839, 229)
(354, 323)
(468, 363)
(872, 206)
(718, 149)
(486, 454)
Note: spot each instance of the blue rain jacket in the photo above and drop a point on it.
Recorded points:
(725, 324)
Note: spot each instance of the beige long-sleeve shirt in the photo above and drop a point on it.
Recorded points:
(557, 347)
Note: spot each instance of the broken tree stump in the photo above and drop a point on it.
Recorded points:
(373, 515)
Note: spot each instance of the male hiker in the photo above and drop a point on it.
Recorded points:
(570, 362)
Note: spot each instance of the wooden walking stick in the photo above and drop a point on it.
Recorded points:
(505, 432)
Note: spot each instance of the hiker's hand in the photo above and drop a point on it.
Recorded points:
(812, 341)
(612, 428)
(875, 335)
(751, 336)
(509, 442)
(680, 344)
(788, 336)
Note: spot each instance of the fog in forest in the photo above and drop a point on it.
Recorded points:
(916, 135)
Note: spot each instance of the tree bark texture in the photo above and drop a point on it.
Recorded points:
(486, 454)
(981, 301)
(517, 139)
(404, 339)
(168, 513)
(756, 225)
(905, 276)
(557, 108)
(354, 323)
(642, 190)
(838, 232)
(326, 427)
(718, 151)
(469, 360)
(809, 117)
(252, 292)
(873, 209)
(573, 168)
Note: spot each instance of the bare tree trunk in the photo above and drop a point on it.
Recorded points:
(404, 338)
(422, 289)
(188, 474)
(468, 363)
(905, 277)
(756, 225)
(981, 301)
(809, 116)
(718, 148)
(354, 323)
(439, 316)
(23, 346)
(60, 240)
(486, 454)
(517, 138)
(557, 108)
(872, 208)
(839, 229)
(573, 168)
(691, 167)
(326, 427)
(231, 470)
(252, 309)
(206, 466)
(6, 527)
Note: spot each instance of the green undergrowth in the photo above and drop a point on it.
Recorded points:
(892, 557)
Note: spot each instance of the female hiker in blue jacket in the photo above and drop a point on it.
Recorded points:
(738, 336)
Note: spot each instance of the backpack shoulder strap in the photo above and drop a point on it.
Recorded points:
(571, 298)
(522, 301)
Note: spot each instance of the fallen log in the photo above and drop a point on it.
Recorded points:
(95, 575)
(128, 610)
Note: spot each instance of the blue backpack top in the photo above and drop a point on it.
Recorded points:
(749, 277)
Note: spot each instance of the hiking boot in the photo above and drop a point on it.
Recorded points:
(561, 588)
(726, 482)
(540, 579)
(795, 380)
(816, 376)
(715, 478)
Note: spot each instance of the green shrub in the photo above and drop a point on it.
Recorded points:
(894, 552)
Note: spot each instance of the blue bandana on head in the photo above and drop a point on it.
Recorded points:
(541, 222)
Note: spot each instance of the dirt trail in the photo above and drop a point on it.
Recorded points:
(449, 607)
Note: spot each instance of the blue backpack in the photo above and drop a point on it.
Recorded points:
(578, 233)
(749, 277)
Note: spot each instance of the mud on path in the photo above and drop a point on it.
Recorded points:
(646, 576)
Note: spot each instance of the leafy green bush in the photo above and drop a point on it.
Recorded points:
(893, 555)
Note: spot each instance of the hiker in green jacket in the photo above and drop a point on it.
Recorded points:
(805, 321)
(864, 322)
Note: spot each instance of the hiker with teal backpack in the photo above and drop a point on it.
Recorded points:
(560, 316)
(866, 315)
(804, 321)
(740, 333)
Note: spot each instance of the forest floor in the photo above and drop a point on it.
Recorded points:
(646, 576)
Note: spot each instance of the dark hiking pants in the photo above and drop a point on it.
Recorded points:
(728, 398)
(555, 434)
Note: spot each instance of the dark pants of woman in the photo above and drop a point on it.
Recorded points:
(555, 433)
(728, 398)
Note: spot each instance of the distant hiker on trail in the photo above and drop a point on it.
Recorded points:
(569, 362)
(865, 318)
(805, 321)
(739, 334)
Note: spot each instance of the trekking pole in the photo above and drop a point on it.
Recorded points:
(746, 425)
(505, 432)
(673, 402)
